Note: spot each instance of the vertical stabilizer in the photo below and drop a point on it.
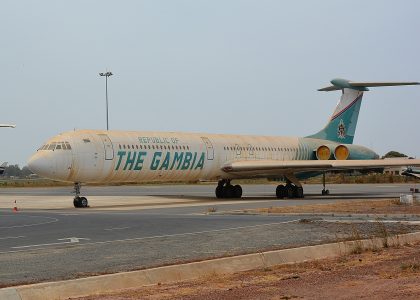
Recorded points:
(342, 125)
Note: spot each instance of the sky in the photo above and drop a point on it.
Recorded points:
(237, 66)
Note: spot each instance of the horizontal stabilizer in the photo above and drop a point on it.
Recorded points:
(338, 84)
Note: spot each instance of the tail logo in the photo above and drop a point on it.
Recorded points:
(341, 132)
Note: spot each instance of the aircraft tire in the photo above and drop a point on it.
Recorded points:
(237, 191)
(219, 191)
(229, 191)
(76, 202)
(280, 191)
(290, 191)
(299, 192)
(83, 202)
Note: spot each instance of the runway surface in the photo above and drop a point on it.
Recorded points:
(155, 225)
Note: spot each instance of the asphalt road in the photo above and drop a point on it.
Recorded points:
(207, 190)
(41, 245)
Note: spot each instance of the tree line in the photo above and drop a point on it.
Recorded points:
(16, 171)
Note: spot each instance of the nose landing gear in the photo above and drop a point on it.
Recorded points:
(79, 202)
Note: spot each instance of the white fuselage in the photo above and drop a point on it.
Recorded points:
(137, 156)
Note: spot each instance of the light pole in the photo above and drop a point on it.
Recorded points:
(107, 74)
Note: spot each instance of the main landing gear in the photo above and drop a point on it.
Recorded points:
(292, 189)
(289, 191)
(79, 201)
(225, 190)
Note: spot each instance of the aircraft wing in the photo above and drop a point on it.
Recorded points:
(411, 172)
(273, 167)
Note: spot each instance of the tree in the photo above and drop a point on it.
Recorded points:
(392, 154)
(15, 171)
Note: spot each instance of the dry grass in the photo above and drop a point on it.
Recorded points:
(360, 207)
(389, 274)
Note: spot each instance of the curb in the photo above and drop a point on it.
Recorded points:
(134, 279)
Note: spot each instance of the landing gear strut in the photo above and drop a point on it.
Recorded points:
(225, 190)
(324, 191)
(292, 189)
(79, 201)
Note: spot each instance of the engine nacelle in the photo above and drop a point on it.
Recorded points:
(323, 152)
(326, 152)
(344, 152)
(341, 152)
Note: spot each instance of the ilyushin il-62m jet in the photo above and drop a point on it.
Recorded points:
(100, 156)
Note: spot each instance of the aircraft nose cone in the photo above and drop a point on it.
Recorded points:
(39, 164)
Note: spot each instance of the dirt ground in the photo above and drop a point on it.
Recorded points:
(361, 207)
(392, 273)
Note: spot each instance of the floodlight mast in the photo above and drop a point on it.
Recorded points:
(106, 74)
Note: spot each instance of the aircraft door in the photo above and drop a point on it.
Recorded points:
(209, 147)
(108, 148)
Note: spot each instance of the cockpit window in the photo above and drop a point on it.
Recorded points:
(58, 146)
(51, 146)
(68, 146)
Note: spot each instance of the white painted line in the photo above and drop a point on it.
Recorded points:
(72, 240)
(117, 228)
(151, 237)
(387, 186)
(52, 220)
(69, 214)
(12, 237)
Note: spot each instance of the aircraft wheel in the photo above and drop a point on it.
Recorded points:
(219, 191)
(299, 192)
(76, 202)
(229, 191)
(325, 192)
(290, 191)
(280, 191)
(237, 191)
(83, 202)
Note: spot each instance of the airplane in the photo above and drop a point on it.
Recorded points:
(3, 168)
(102, 156)
(8, 125)
(411, 172)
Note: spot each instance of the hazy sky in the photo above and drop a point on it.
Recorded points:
(241, 67)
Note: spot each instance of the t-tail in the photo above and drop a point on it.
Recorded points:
(342, 125)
